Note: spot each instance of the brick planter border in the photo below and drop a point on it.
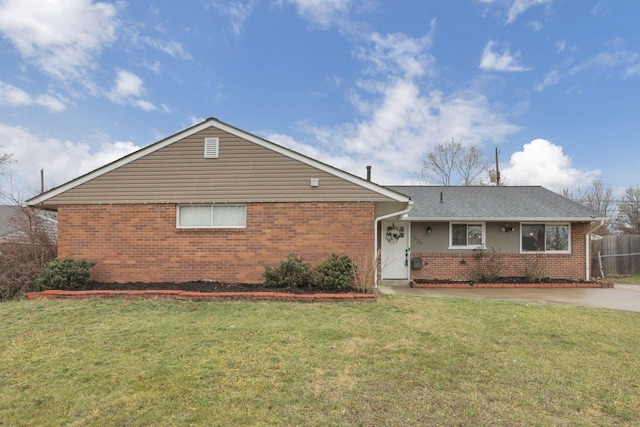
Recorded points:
(199, 296)
(513, 285)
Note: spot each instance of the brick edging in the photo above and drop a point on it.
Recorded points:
(514, 285)
(198, 296)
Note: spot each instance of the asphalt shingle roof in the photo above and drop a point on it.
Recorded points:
(493, 203)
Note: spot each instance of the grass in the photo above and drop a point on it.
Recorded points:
(625, 279)
(400, 361)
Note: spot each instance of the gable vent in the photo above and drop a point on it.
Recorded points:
(211, 148)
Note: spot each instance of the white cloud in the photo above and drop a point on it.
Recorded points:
(633, 70)
(238, 13)
(500, 61)
(144, 105)
(600, 9)
(560, 45)
(13, 96)
(535, 25)
(128, 88)
(552, 78)
(401, 116)
(61, 160)
(62, 38)
(607, 60)
(170, 47)
(542, 162)
(323, 13)
(126, 85)
(518, 7)
(399, 53)
(628, 62)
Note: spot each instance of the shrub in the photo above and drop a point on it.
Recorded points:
(65, 273)
(336, 273)
(535, 268)
(20, 265)
(292, 272)
(25, 253)
(489, 266)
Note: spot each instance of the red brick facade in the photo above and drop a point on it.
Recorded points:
(461, 266)
(141, 243)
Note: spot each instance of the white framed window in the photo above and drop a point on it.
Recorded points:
(211, 148)
(545, 237)
(466, 235)
(211, 216)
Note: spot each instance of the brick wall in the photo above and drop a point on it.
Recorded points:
(461, 266)
(140, 243)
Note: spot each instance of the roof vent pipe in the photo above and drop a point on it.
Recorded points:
(368, 173)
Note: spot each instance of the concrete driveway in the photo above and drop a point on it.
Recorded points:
(621, 297)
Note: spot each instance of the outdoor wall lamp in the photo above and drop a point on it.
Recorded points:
(429, 230)
(506, 228)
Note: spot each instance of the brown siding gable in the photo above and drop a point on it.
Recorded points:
(174, 170)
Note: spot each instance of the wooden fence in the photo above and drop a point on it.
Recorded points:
(617, 255)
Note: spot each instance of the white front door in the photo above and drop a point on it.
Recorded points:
(394, 257)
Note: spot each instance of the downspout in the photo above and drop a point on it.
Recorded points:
(587, 251)
(375, 238)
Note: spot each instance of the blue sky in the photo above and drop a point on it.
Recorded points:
(554, 84)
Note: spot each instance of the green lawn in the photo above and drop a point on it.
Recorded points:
(400, 361)
(625, 279)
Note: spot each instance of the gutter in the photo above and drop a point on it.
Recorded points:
(587, 247)
(375, 239)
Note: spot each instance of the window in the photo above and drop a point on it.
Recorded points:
(212, 216)
(545, 237)
(466, 235)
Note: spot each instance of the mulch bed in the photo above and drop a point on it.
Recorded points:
(512, 282)
(208, 286)
(203, 291)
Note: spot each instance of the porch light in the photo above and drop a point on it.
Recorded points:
(429, 230)
(506, 228)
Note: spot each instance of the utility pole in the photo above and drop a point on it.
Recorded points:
(497, 169)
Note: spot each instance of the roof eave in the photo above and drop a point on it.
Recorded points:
(509, 219)
(42, 198)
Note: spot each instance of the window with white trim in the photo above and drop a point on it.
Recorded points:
(466, 235)
(212, 216)
(551, 237)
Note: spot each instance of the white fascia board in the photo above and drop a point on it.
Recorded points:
(506, 219)
(211, 122)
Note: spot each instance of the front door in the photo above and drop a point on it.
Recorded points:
(395, 250)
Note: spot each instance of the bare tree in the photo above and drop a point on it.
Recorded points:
(27, 243)
(598, 197)
(471, 165)
(4, 158)
(452, 162)
(628, 219)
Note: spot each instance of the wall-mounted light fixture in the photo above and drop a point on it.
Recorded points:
(506, 228)
(429, 230)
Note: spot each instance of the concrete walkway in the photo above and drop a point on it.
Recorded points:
(621, 297)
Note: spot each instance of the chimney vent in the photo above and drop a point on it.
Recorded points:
(368, 173)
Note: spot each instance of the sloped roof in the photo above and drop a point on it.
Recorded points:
(49, 199)
(487, 203)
